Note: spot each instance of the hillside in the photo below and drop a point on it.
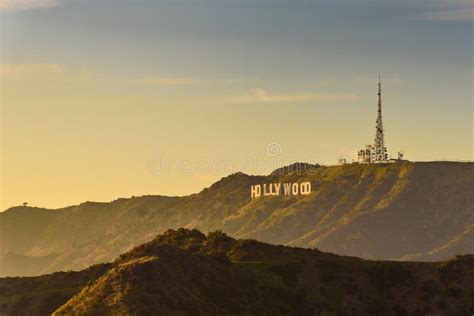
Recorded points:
(410, 211)
(184, 272)
(42, 295)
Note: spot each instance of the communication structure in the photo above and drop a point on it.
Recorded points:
(377, 153)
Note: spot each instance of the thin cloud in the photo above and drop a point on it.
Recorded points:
(261, 96)
(165, 81)
(29, 71)
(456, 15)
(54, 71)
(449, 10)
(19, 5)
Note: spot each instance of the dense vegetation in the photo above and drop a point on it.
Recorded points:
(184, 272)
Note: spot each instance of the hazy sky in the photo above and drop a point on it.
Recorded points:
(107, 99)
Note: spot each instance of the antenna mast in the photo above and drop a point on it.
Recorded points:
(379, 150)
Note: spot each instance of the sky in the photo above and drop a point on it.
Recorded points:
(112, 98)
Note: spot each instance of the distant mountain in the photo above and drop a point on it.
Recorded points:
(42, 295)
(420, 211)
(184, 272)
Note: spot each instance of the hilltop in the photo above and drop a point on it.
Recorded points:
(184, 272)
(410, 211)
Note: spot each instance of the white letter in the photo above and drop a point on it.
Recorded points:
(270, 191)
(295, 189)
(277, 188)
(286, 187)
(265, 190)
(305, 188)
(255, 191)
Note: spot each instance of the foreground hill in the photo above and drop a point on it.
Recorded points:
(413, 211)
(184, 272)
(42, 295)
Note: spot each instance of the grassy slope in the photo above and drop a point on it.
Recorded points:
(42, 295)
(184, 272)
(422, 211)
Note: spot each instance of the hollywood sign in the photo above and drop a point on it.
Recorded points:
(276, 189)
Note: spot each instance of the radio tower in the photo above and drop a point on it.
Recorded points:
(379, 151)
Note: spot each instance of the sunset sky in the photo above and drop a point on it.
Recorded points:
(108, 99)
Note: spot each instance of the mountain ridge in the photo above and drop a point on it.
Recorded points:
(372, 211)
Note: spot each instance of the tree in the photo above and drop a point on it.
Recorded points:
(25, 204)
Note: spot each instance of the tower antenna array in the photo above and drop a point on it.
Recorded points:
(380, 151)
